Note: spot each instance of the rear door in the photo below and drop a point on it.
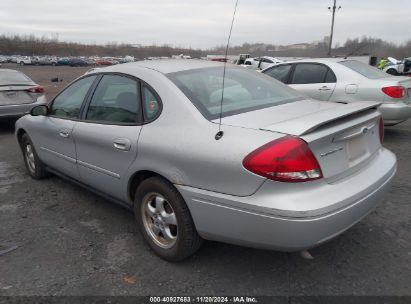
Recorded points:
(314, 80)
(53, 135)
(106, 137)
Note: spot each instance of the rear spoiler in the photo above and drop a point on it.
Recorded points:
(314, 121)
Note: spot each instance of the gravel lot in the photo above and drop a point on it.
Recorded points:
(72, 242)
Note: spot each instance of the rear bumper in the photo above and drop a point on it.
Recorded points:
(394, 113)
(262, 221)
(20, 110)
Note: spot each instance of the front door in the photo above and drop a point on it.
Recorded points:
(54, 134)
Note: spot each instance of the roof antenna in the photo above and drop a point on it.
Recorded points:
(220, 133)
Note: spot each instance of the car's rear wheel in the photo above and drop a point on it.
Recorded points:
(34, 166)
(22, 63)
(165, 220)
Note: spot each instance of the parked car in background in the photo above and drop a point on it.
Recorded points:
(285, 173)
(75, 62)
(261, 63)
(348, 81)
(24, 60)
(397, 67)
(14, 58)
(45, 60)
(18, 94)
(3, 59)
(104, 61)
(63, 61)
(90, 61)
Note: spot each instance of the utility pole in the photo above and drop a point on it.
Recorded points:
(333, 9)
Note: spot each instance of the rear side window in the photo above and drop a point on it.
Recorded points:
(330, 77)
(68, 103)
(116, 100)
(151, 104)
(280, 73)
(306, 73)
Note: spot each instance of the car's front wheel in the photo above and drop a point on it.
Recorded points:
(392, 72)
(34, 166)
(165, 220)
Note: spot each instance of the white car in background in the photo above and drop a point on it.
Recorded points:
(346, 81)
(24, 60)
(397, 67)
(261, 63)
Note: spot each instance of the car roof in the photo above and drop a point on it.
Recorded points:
(319, 60)
(166, 66)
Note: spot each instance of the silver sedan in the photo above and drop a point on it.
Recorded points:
(347, 81)
(18, 94)
(280, 172)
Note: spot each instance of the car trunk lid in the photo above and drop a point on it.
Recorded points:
(16, 95)
(341, 136)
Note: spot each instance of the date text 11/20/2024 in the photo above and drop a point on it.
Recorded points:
(203, 299)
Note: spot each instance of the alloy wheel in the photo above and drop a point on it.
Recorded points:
(159, 220)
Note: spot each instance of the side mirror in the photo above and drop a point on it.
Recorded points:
(40, 110)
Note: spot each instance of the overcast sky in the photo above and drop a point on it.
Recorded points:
(204, 23)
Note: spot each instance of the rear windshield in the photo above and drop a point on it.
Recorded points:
(364, 69)
(13, 77)
(244, 90)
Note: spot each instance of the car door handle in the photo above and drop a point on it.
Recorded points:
(64, 133)
(325, 88)
(123, 144)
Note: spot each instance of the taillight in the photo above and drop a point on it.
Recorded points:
(394, 91)
(36, 89)
(288, 159)
(381, 130)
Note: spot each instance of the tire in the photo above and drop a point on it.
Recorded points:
(392, 72)
(22, 63)
(34, 166)
(157, 206)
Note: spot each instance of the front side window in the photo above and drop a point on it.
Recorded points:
(116, 100)
(306, 73)
(68, 103)
(280, 73)
(244, 90)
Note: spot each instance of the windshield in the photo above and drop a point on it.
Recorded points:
(244, 90)
(13, 77)
(364, 69)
